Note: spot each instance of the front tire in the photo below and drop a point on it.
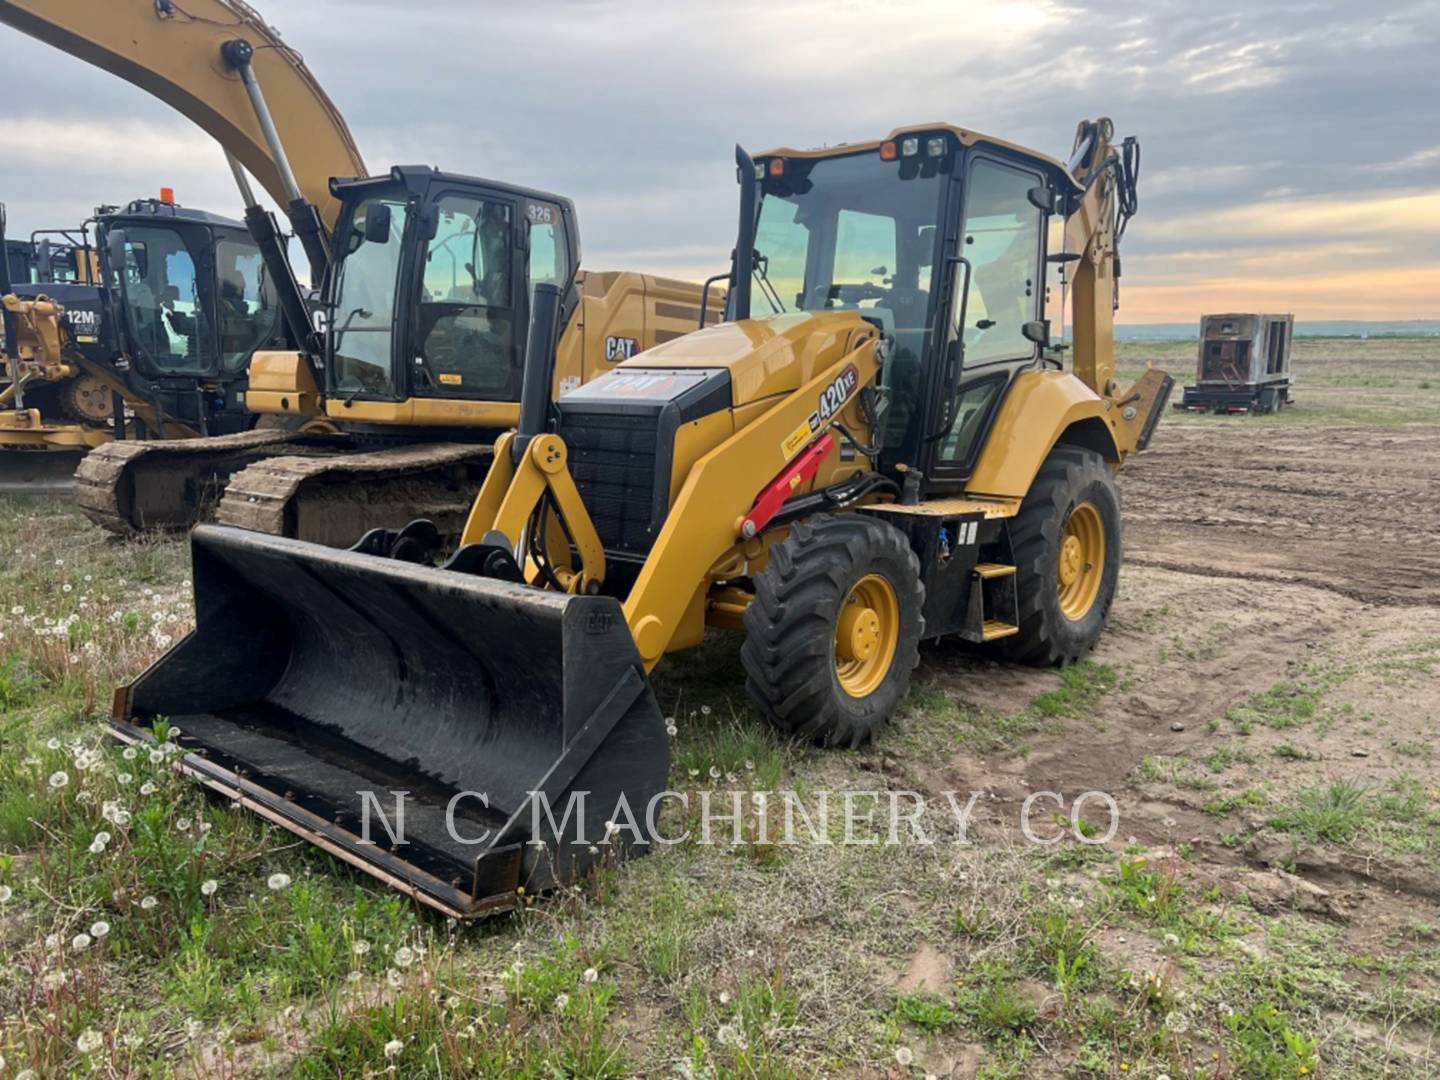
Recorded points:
(833, 634)
(1067, 546)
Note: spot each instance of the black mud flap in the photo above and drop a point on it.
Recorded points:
(457, 737)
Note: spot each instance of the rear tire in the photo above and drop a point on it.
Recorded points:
(1064, 585)
(833, 634)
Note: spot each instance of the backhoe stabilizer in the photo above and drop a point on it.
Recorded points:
(1140, 409)
(458, 737)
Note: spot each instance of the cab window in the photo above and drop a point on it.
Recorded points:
(1002, 241)
(549, 260)
(247, 308)
(466, 313)
(166, 319)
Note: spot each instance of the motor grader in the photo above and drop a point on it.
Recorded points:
(149, 339)
(409, 353)
(880, 445)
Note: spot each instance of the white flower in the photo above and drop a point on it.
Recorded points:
(52, 744)
(148, 904)
(393, 1048)
(671, 729)
(360, 948)
(147, 788)
(276, 882)
(6, 893)
(27, 1074)
(53, 980)
(156, 757)
(392, 977)
(562, 1002)
(130, 753)
(80, 942)
(590, 975)
(52, 941)
(714, 772)
(1172, 940)
(207, 888)
(99, 929)
(88, 1041)
(125, 778)
(404, 956)
(17, 610)
(59, 779)
(704, 710)
(904, 1057)
(727, 1035)
(724, 997)
(183, 824)
(102, 837)
(97, 848)
(67, 587)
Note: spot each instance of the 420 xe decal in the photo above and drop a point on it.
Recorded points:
(832, 399)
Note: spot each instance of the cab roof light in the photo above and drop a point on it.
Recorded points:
(888, 151)
(909, 146)
(935, 146)
(777, 166)
(167, 194)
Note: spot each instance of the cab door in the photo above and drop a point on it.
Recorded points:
(999, 288)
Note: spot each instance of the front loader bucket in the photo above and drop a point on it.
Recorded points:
(429, 726)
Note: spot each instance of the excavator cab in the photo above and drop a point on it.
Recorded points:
(426, 300)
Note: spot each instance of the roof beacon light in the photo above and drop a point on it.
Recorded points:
(909, 146)
(935, 146)
(887, 151)
(167, 194)
(777, 166)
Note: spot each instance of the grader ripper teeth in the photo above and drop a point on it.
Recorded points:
(333, 499)
(132, 486)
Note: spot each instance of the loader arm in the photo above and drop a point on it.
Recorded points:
(173, 52)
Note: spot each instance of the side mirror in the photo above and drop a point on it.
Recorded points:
(429, 221)
(1042, 198)
(377, 224)
(115, 251)
(44, 264)
(1038, 331)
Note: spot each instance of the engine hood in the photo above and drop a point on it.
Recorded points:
(765, 357)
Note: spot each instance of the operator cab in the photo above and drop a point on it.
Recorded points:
(938, 236)
(428, 295)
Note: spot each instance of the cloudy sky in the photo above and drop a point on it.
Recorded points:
(1291, 149)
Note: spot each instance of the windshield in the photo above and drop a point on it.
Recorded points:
(247, 304)
(162, 302)
(364, 312)
(857, 232)
(848, 232)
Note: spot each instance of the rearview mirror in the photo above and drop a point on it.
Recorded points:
(1038, 331)
(43, 262)
(377, 224)
(115, 251)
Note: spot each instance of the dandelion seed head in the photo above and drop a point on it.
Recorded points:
(89, 1041)
(904, 1056)
(99, 929)
(59, 779)
(276, 882)
(207, 888)
(393, 1049)
(148, 903)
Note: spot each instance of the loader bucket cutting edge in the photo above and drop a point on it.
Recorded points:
(327, 689)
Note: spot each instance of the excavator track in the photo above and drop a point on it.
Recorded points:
(132, 486)
(334, 499)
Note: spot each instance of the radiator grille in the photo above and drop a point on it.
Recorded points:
(613, 460)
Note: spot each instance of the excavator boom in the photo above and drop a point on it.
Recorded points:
(174, 52)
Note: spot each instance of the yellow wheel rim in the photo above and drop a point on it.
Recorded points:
(866, 635)
(1081, 566)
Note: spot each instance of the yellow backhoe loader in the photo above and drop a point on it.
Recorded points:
(411, 359)
(888, 448)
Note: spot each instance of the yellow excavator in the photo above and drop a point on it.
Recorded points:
(881, 444)
(411, 356)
